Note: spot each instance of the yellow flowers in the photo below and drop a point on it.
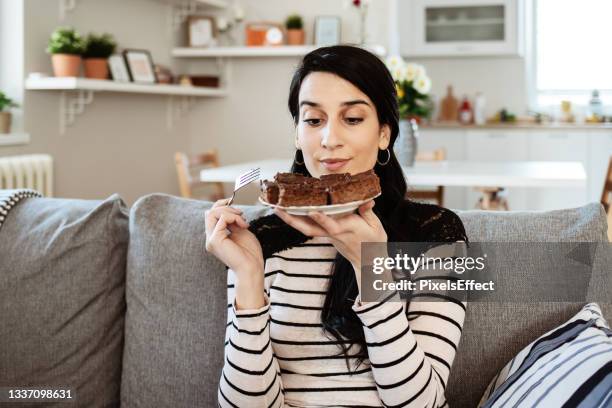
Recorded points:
(412, 86)
(400, 91)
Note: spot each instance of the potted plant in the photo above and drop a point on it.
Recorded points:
(66, 47)
(295, 29)
(95, 58)
(5, 116)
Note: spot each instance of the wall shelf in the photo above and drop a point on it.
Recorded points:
(66, 6)
(77, 93)
(264, 51)
(14, 139)
(98, 85)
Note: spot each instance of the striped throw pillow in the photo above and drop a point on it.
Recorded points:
(570, 366)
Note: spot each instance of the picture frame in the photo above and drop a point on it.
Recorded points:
(118, 68)
(140, 66)
(327, 30)
(202, 31)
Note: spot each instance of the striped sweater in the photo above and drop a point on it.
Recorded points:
(279, 355)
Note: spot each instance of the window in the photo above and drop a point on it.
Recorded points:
(572, 56)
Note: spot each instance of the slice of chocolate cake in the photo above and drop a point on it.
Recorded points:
(301, 195)
(359, 187)
(333, 178)
(269, 191)
(370, 183)
(330, 180)
(293, 178)
(290, 189)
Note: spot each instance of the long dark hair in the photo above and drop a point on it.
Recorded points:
(370, 75)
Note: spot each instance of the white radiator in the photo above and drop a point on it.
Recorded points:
(33, 171)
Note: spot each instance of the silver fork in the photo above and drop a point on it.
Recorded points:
(244, 179)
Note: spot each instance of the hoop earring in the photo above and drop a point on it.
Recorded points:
(388, 158)
(296, 160)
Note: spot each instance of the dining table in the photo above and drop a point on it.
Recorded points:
(490, 178)
(467, 173)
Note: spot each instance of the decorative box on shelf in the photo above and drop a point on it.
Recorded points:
(209, 81)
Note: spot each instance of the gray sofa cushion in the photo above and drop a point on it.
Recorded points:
(581, 224)
(494, 332)
(62, 276)
(176, 306)
(176, 296)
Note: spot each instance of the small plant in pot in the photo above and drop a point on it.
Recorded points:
(66, 47)
(295, 30)
(95, 58)
(5, 115)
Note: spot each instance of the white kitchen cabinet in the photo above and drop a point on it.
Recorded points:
(558, 145)
(461, 27)
(453, 141)
(599, 157)
(497, 145)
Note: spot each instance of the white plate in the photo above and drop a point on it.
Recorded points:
(331, 209)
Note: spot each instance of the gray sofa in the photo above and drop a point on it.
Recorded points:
(125, 307)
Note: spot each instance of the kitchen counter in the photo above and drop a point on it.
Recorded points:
(519, 125)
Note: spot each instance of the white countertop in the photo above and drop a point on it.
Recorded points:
(445, 173)
(517, 126)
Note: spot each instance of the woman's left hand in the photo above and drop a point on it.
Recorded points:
(346, 232)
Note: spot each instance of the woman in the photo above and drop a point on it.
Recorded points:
(298, 334)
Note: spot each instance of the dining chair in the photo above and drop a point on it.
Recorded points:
(436, 195)
(188, 171)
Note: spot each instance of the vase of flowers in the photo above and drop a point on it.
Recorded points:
(362, 7)
(412, 85)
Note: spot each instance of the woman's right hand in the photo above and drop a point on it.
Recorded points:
(239, 250)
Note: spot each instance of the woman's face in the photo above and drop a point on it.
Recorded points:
(338, 129)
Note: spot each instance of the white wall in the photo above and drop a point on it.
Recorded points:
(501, 80)
(121, 144)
